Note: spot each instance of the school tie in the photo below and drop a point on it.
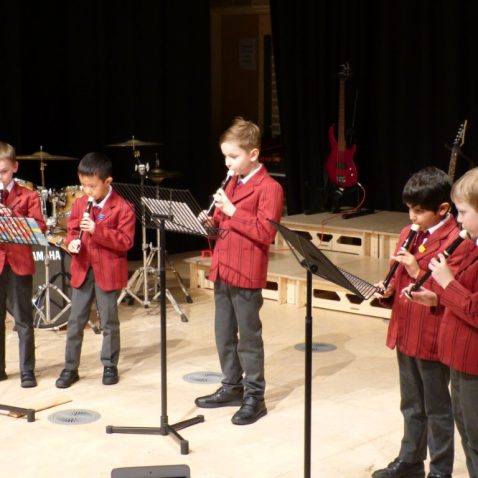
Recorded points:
(5, 194)
(422, 236)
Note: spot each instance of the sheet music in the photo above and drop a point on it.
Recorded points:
(21, 230)
(182, 218)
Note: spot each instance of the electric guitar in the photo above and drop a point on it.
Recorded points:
(340, 166)
(455, 150)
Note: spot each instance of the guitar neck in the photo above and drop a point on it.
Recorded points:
(341, 128)
(452, 164)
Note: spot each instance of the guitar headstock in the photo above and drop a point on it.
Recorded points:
(460, 135)
(345, 71)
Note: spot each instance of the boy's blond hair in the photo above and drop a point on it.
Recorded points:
(466, 189)
(7, 151)
(246, 133)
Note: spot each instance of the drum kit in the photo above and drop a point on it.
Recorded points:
(51, 282)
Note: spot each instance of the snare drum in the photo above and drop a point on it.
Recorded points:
(66, 197)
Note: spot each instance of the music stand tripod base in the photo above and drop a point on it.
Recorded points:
(163, 430)
(29, 412)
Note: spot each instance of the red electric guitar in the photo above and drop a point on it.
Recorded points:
(340, 165)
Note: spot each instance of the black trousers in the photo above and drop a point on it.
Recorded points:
(18, 290)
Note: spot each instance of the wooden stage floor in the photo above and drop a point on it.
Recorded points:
(356, 424)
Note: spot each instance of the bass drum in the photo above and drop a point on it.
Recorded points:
(58, 288)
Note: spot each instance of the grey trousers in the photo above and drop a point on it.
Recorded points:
(238, 330)
(18, 289)
(427, 413)
(81, 301)
(464, 392)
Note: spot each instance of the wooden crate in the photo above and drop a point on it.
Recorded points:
(286, 282)
(373, 235)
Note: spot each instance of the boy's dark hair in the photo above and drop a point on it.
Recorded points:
(96, 164)
(427, 188)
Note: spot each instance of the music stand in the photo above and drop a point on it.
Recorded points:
(315, 262)
(20, 230)
(161, 212)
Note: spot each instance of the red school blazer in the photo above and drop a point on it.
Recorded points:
(106, 249)
(241, 252)
(458, 339)
(413, 328)
(26, 203)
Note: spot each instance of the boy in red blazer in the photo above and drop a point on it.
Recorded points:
(239, 271)
(100, 231)
(458, 337)
(413, 331)
(17, 268)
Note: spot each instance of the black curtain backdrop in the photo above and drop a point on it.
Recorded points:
(415, 73)
(78, 76)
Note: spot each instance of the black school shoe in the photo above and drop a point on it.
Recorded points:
(251, 410)
(110, 375)
(3, 375)
(67, 378)
(401, 469)
(222, 397)
(27, 379)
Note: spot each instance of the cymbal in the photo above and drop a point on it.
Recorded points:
(157, 175)
(44, 156)
(133, 143)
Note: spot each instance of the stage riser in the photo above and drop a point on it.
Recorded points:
(374, 235)
(292, 290)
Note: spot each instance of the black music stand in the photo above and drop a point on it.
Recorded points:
(173, 215)
(20, 230)
(315, 262)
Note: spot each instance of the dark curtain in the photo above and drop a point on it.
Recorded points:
(78, 76)
(414, 82)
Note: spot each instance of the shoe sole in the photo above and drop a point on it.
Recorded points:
(28, 384)
(249, 421)
(66, 385)
(407, 475)
(236, 403)
(110, 381)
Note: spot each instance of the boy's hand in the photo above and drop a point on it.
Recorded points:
(223, 203)
(440, 270)
(381, 292)
(408, 260)
(421, 296)
(87, 224)
(205, 220)
(74, 246)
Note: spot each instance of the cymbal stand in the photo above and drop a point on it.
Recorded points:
(140, 276)
(43, 293)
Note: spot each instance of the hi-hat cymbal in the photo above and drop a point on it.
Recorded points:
(157, 175)
(133, 143)
(44, 156)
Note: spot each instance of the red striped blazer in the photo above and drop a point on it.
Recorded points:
(241, 252)
(458, 341)
(26, 203)
(105, 250)
(413, 328)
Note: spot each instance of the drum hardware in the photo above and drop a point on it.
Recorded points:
(140, 276)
